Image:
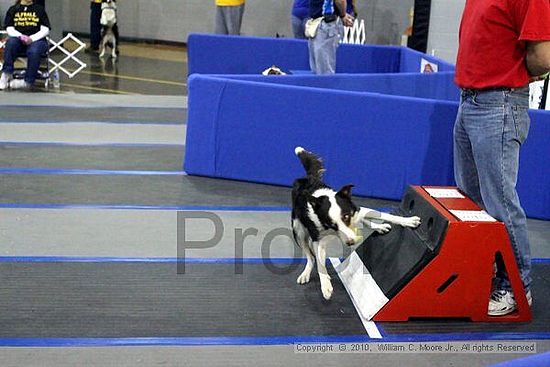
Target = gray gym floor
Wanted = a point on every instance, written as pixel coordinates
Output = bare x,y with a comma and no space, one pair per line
101,175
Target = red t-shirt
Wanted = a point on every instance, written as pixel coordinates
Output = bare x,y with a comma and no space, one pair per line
492,45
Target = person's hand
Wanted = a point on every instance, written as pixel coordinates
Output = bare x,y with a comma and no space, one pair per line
348,20
25,39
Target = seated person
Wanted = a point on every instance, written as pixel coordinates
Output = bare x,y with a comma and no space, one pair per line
27,25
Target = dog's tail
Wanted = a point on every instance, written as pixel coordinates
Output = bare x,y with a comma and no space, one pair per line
311,162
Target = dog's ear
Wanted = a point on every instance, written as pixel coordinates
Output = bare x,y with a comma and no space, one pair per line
317,202
345,191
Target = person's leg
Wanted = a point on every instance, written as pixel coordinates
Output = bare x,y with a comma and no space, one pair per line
298,26
312,47
220,26
34,55
465,170
497,128
12,48
95,25
324,45
234,19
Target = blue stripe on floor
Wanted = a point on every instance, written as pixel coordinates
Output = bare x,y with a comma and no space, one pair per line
190,260
97,172
170,260
108,145
77,106
148,123
275,340
148,207
188,341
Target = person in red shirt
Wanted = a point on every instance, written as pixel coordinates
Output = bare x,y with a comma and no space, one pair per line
503,45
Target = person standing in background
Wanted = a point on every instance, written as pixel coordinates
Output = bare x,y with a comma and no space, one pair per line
229,16
299,16
322,47
503,44
95,26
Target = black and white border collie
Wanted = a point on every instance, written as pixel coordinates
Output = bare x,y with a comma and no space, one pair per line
108,23
318,211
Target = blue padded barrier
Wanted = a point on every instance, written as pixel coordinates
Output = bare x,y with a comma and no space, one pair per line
382,131
411,60
431,86
246,128
534,173
217,54
248,131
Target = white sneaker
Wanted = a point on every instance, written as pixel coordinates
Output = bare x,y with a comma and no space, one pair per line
4,81
502,302
19,84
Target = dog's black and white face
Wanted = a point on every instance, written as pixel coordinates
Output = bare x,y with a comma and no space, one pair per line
334,211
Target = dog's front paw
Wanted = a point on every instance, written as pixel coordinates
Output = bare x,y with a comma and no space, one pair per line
411,222
381,228
304,277
326,288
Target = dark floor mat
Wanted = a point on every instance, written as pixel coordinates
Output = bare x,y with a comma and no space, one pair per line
125,300
539,324
34,156
44,114
144,190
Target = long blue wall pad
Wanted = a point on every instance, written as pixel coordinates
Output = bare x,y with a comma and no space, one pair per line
381,143
207,54
437,86
105,342
394,131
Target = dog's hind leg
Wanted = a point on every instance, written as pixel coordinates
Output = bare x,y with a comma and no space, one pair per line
113,53
326,285
102,49
302,239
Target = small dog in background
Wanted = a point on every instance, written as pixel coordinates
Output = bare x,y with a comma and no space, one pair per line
318,211
108,23
273,70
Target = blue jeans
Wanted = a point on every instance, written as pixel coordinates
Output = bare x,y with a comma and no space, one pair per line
229,19
14,48
322,48
490,128
298,27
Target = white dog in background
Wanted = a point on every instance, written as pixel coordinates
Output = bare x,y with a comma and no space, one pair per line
108,21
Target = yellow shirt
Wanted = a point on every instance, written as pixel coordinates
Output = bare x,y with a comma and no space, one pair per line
229,2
